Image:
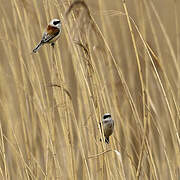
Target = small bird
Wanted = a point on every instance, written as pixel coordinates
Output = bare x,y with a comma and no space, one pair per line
108,126
50,35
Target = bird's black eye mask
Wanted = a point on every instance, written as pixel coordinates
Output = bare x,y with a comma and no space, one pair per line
56,22
106,116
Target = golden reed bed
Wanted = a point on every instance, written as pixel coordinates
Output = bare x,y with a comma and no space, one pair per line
121,57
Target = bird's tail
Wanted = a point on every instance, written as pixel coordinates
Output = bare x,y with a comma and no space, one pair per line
37,47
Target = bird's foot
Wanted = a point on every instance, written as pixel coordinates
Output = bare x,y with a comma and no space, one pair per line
52,44
107,140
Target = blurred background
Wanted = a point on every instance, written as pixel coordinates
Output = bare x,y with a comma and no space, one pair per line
121,58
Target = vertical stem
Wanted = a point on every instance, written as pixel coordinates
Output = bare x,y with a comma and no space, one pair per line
142,86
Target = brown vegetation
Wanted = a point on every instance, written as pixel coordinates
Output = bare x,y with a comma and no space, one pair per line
121,57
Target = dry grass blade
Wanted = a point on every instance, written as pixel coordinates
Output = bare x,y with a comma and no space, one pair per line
121,58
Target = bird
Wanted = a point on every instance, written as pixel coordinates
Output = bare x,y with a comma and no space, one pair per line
50,35
108,126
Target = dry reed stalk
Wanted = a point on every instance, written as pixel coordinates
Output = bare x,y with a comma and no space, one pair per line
142,90
48,129
83,42
166,79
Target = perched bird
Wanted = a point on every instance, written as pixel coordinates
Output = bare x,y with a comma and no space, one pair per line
51,34
108,126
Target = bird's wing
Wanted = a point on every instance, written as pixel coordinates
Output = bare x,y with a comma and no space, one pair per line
113,122
48,36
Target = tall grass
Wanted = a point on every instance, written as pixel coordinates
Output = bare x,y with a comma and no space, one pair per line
121,58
